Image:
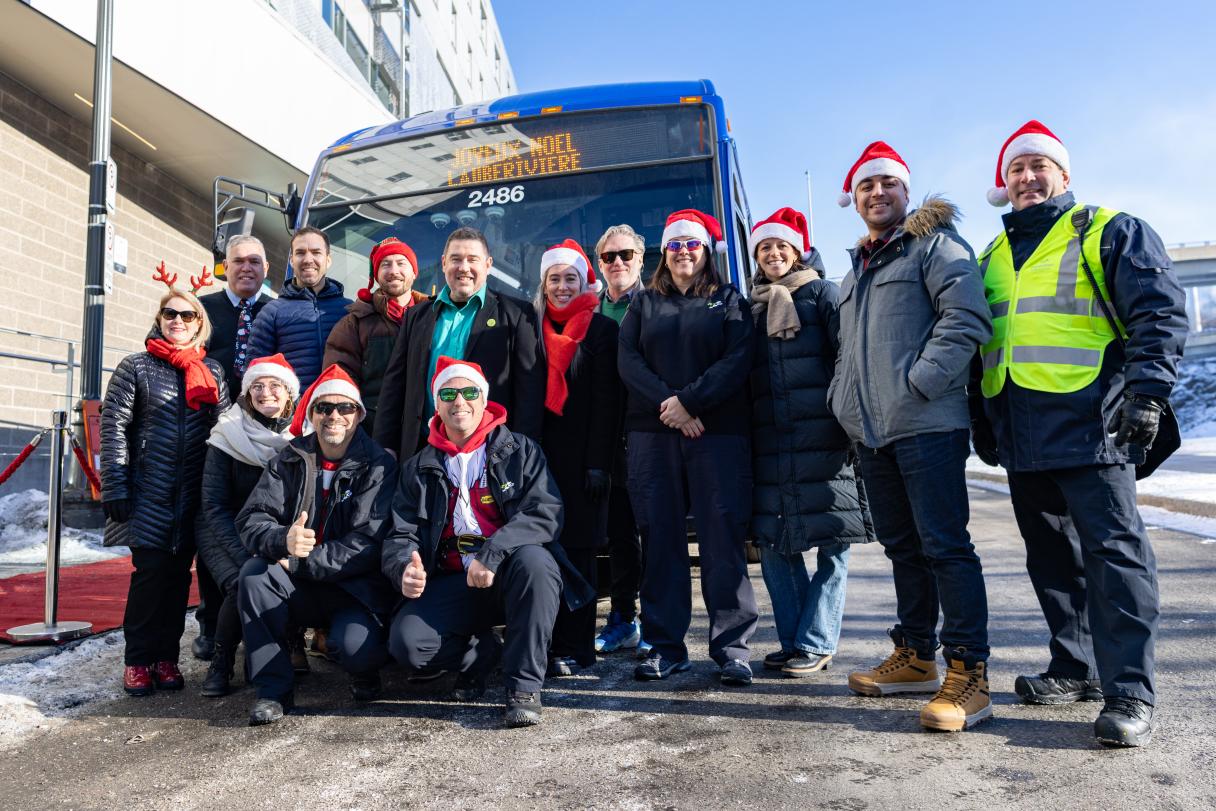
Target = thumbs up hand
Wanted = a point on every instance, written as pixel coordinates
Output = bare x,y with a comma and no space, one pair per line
413,580
300,539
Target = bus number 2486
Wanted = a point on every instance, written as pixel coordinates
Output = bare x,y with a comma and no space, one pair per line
498,196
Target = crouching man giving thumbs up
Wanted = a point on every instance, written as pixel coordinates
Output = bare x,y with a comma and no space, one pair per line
313,525
472,546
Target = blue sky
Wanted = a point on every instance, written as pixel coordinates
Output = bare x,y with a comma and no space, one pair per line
1130,88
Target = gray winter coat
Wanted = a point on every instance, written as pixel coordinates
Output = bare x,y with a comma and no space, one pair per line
909,324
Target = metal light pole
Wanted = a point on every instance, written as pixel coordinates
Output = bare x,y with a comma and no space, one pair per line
93,335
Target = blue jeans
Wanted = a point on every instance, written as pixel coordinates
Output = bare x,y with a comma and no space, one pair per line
807,609
918,499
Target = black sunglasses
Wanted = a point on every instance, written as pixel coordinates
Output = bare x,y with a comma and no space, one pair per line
187,316
345,409
608,257
469,393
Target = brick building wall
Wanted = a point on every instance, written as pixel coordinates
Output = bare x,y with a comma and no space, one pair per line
44,155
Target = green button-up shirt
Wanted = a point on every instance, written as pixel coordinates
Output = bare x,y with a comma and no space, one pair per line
453,325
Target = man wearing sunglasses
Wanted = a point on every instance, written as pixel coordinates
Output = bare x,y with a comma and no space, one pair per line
472,546
466,320
620,252
314,525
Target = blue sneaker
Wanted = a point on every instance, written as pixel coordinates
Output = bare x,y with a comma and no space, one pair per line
618,633
644,648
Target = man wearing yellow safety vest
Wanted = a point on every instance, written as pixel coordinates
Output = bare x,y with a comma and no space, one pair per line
1074,384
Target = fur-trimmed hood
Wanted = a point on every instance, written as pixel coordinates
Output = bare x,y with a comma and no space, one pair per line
935,212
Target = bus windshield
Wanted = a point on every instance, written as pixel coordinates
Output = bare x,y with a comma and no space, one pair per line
526,185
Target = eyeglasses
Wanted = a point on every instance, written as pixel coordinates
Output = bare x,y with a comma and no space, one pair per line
187,316
325,409
675,246
608,257
469,393
273,388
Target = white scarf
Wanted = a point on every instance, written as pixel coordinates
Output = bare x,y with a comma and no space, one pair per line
464,469
239,435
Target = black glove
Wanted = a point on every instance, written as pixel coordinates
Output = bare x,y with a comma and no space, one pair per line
598,483
118,510
1136,420
984,442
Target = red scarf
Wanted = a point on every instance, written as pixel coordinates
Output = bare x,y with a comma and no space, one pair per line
394,309
561,346
200,383
494,416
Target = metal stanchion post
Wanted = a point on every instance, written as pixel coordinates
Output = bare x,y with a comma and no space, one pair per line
51,630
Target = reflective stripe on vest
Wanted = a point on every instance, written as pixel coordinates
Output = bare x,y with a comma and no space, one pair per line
1048,332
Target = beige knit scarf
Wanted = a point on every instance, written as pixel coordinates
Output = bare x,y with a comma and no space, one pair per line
778,297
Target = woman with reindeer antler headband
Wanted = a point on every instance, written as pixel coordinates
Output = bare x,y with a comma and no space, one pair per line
159,408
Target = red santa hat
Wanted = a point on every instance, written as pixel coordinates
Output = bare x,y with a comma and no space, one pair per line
787,224
876,159
390,247
1032,138
569,252
275,366
450,368
334,380
696,224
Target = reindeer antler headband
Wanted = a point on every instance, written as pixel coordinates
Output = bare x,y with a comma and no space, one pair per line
197,283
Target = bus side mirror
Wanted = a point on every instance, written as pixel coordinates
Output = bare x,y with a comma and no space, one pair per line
237,221
291,205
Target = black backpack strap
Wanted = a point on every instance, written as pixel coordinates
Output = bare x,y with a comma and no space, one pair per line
1082,218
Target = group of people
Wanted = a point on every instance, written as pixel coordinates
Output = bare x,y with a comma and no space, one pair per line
430,479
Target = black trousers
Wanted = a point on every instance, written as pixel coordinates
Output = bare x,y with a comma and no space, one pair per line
450,627
1093,569
228,622
155,616
270,599
667,474
210,597
624,553
574,631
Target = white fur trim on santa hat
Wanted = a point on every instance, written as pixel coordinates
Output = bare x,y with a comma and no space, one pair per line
460,370
1034,143
686,228
275,370
562,256
776,230
341,387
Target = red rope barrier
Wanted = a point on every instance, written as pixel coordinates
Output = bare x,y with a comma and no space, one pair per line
83,461
21,457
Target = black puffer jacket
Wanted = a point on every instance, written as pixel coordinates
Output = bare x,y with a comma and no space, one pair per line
227,483
151,446
355,518
805,493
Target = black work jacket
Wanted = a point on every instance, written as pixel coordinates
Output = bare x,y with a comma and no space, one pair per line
524,492
355,518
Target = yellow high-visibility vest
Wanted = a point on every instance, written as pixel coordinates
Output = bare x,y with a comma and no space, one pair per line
1048,331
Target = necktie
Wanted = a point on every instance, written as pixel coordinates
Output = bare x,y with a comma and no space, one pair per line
244,323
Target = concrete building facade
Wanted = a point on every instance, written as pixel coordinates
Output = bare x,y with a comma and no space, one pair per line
251,89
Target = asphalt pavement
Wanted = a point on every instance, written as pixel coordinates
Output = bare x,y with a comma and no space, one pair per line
610,742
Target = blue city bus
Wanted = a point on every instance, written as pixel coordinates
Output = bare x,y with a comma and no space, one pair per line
528,171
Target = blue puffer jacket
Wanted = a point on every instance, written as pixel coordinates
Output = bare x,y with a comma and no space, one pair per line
297,324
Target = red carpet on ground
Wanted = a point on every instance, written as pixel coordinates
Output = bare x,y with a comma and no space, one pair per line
89,592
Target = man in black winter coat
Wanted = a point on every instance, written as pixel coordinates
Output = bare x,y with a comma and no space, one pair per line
231,312
472,546
314,524
467,321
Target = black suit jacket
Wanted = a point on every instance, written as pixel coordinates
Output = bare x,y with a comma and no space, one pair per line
222,344
503,341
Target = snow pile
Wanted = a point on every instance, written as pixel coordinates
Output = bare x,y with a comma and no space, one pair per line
34,694
23,518
1194,398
